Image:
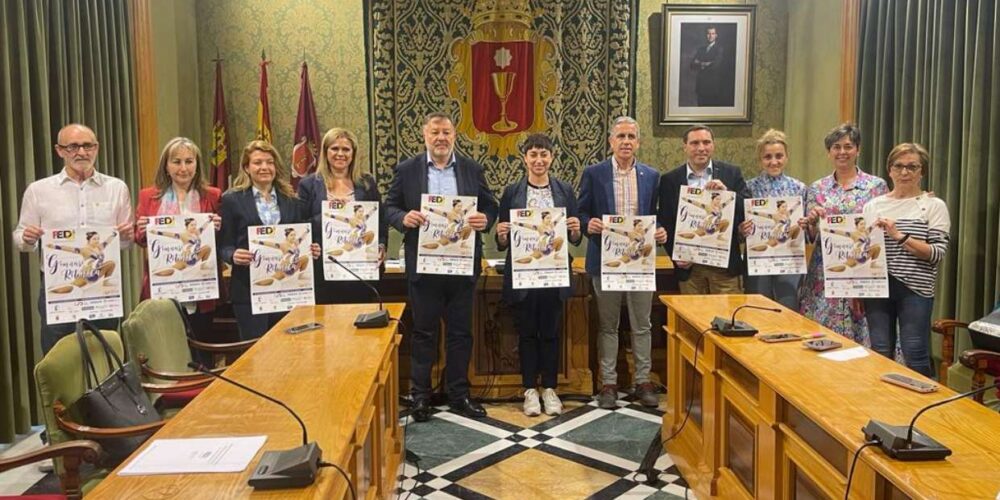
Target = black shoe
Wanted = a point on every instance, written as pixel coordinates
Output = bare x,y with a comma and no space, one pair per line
468,408
421,410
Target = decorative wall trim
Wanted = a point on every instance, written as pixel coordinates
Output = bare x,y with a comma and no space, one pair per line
140,27
849,60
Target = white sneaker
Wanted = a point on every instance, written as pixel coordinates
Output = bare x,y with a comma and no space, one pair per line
552,404
531,406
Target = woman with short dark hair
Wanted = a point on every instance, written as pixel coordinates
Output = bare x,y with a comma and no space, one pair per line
845,191
538,311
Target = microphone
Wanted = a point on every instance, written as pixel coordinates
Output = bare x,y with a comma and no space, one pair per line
733,328
294,468
377,319
906,443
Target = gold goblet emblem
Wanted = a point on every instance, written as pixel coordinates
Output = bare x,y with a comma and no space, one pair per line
503,85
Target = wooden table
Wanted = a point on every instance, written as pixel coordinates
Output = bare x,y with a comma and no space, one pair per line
341,381
775,421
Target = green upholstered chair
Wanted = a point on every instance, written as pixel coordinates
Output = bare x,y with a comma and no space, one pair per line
157,341
72,454
973,368
60,383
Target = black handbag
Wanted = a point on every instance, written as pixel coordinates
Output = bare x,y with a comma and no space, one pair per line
117,401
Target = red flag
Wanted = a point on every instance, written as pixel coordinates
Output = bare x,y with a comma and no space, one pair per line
219,159
306,140
263,109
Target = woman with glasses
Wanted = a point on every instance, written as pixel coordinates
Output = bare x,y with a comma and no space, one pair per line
917,228
844,192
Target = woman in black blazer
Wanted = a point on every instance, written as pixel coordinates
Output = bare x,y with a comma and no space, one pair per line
260,195
338,178
537,312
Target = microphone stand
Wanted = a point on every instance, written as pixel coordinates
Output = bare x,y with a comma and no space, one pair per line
377,319
733,328
294,468
906,443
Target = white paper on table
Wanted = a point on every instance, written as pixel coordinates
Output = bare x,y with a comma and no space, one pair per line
199,455
846,354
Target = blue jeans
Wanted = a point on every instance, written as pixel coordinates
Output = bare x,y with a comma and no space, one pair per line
781,288
912,314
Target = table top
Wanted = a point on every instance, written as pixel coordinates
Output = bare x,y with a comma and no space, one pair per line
842,396
324,375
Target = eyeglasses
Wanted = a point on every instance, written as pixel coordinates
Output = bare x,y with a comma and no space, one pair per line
73,148
909,167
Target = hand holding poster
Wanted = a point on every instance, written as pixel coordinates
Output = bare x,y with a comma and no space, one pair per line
181,257
628,253
350,234
446,244
537,254
853,260
81,272
281,273
775,244
704,226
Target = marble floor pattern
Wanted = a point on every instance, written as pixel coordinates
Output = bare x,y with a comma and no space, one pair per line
586,452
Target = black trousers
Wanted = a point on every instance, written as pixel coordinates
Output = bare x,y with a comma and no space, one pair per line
538,320
432,299
254,326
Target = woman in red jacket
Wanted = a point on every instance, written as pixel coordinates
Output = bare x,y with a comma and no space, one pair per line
179,188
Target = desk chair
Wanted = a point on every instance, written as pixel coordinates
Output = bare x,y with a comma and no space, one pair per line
158,340
71,453
60,383
976,366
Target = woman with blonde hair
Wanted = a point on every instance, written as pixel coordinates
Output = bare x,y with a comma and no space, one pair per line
338,177
772,153
917,232
179,189
262,194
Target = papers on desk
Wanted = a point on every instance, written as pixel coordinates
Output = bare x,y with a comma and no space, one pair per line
846,354
191,456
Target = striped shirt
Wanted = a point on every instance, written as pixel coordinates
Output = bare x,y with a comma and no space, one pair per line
924,218
626,187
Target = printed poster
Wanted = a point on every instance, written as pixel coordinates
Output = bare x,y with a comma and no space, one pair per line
704,226
538,253
776,243
853,257
447,243
281,273
628,253
180,252
82,274
350,235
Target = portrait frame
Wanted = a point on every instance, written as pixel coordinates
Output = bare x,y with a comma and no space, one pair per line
706,64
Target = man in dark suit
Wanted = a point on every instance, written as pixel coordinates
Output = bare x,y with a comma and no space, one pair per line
701,171
432,298
707,65
619,185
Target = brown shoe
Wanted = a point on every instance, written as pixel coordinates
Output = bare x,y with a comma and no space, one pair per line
608,397
645,393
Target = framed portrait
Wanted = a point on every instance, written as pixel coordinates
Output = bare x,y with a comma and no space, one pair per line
706,64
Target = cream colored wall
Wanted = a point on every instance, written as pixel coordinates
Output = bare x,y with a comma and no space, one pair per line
812,97
175,50
661,145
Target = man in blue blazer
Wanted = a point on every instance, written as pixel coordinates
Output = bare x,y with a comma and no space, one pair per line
702,171
620,185
433,297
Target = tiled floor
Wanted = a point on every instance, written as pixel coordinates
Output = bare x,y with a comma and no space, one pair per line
17,481
585,453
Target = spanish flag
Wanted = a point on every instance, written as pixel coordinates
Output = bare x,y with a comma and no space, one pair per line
263,110
219,159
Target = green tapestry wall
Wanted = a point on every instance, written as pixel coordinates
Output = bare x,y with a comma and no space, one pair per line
411,59
328,34
661,145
